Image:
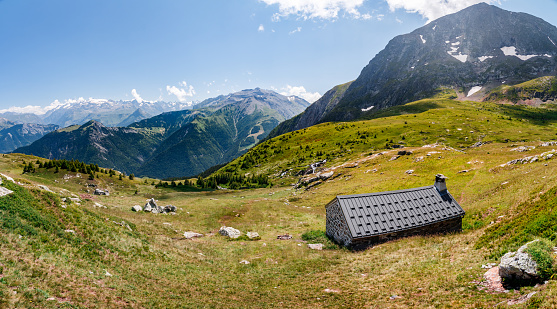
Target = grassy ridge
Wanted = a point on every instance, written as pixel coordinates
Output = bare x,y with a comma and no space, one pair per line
543,88
457,124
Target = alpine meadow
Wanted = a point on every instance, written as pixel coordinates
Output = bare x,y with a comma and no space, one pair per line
428,181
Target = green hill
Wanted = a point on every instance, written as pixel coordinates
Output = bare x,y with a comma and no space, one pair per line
536,91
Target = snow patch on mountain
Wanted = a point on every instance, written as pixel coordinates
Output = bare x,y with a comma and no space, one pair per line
474,90
423,40
484,58
551,41
511,51
367,109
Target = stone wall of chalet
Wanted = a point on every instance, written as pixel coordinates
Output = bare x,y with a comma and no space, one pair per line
336,225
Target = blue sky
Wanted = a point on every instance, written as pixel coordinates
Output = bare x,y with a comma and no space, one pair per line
190,50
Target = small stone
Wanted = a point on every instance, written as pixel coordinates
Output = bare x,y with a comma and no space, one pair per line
253,235
69,231
107,273
244,262
137,208
190,235
315,246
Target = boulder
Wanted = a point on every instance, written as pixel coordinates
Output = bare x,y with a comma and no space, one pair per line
253,235
150,205
315,246
101,192
229,232
137,208
519,265
190,235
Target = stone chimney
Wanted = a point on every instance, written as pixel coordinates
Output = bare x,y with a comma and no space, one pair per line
440,183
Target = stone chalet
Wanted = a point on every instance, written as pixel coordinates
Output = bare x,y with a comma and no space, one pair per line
358,221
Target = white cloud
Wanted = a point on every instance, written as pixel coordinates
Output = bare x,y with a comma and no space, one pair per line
433,9
136,96
299,29
181,93
319,9
261,28
301,92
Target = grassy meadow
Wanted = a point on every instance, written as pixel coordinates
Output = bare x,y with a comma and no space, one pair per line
101,263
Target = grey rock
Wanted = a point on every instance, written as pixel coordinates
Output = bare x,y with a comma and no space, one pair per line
101,192
229,232
519,265
137,208
150,205
169,208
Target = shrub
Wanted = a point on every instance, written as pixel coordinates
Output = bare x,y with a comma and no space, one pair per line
541,252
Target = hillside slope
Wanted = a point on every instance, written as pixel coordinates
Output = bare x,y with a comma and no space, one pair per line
13,135
124,149
234,127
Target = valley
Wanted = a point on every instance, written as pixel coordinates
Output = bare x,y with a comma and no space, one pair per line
221,203
105,262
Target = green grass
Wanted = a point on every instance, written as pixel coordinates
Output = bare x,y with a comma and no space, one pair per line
437,271
452,123
542,252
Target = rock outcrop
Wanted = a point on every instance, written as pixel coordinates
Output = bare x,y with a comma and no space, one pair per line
519,265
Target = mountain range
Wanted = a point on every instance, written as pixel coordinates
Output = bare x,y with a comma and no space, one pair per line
109,112
180,143
471,51
14,135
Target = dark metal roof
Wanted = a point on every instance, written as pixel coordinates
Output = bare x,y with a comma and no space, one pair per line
387,212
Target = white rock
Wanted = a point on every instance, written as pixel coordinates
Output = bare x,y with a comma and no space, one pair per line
137,208
244,262
229,232
190,235
326,175
253,235
315,246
